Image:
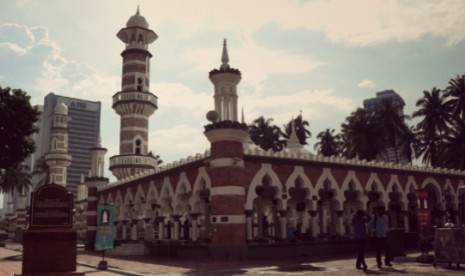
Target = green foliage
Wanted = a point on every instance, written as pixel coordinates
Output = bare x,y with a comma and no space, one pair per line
16,177
440,135
329,144
17,118
266,135
301,129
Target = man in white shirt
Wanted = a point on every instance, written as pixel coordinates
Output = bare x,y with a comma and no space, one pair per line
380,227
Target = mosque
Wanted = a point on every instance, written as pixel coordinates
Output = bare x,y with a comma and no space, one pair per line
236,201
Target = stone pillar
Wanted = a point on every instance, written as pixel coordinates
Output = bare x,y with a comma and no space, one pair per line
176,227
194,225
406,222
323,221
248,218
283,224
340,222
161,228
125,233
313,223
134,230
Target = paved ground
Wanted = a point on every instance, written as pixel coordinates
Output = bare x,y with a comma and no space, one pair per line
10,263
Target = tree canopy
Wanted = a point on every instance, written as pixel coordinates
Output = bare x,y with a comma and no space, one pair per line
17,118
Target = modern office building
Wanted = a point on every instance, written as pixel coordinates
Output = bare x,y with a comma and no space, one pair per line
83,131
393,155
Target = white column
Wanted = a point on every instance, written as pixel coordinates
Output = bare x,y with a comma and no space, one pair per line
323,221
161,230
406,222
125,233
176,229
340,220
134,232
148,234
194,229
314,224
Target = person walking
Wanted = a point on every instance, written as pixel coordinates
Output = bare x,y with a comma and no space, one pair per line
359,224
380,227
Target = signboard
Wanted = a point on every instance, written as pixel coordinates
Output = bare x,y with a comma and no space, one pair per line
51,207
425,227
105,222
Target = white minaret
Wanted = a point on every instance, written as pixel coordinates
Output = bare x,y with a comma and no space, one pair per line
57,158
134,103
98,159
225,81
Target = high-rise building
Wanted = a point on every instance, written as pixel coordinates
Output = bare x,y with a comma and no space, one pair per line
393,155
83,133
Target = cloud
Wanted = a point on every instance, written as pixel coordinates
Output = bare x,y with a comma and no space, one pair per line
362,23
314,104
178,141
43,68
366,83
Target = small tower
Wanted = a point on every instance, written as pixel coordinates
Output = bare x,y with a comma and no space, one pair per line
134,103
95,180
57,158
225,80
226,136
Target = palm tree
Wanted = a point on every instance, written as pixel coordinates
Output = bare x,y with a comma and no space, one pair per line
362,136
430,130
456,94
329,144
15,178
266,135
301,129
451,153
41,170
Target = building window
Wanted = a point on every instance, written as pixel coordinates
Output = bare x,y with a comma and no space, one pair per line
139,84
137,144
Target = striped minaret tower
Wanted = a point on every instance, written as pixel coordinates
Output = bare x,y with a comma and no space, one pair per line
226,135
96,179
57,158
134,103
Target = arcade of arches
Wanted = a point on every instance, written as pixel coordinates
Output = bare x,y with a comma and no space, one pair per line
318,202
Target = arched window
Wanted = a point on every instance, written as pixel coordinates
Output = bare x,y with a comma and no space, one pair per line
137,146
139,84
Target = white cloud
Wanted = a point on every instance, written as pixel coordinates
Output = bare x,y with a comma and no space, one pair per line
314,104
176,142
366,83
366,22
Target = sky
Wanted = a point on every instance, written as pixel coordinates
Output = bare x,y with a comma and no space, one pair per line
321,58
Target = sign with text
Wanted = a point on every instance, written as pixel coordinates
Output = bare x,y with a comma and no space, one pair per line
425,227
105,222
51,207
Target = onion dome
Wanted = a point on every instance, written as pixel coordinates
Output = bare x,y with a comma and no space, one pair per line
137,20
61,108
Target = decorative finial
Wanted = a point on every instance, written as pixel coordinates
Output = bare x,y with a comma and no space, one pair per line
224,56
137,13
99,140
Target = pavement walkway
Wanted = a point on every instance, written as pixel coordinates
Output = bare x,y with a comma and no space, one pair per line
10,264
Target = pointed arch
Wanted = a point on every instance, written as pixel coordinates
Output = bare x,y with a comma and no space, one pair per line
299,173
351,177
374,180
327,175
266,169
202,179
